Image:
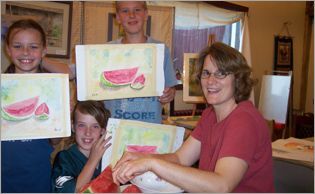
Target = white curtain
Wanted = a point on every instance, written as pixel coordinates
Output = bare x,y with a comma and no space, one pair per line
200,15
245,48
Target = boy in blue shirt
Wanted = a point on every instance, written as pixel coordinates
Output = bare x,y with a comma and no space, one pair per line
132,15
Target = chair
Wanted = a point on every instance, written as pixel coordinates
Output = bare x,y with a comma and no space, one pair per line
304,126
292,178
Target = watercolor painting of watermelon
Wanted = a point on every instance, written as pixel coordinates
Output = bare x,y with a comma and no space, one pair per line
138,136
113,71
34,106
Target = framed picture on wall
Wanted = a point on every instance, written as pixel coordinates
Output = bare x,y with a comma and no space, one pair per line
54,17
192,91
283,53
115,30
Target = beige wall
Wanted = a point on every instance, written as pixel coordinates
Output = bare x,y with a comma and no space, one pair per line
265,21
76,34
96,23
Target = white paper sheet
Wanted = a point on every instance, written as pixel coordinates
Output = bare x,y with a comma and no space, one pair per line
274,97
293,148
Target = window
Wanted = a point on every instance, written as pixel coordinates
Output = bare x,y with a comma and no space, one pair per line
194,40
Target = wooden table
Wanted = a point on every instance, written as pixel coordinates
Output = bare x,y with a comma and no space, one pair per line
298,162
188,122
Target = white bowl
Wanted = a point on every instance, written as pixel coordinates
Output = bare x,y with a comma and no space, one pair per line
150,183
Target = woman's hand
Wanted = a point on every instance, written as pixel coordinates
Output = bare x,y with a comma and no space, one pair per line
168,95
130,165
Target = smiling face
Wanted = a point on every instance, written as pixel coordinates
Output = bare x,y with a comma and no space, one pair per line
218,92
26,50
87,131
132,15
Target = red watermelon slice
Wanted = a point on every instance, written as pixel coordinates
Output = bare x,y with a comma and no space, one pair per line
138,83
20,110
42,112
118,77
132,189
142,149
102,184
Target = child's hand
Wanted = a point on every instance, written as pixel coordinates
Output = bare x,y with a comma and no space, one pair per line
99,148
168,95
96,153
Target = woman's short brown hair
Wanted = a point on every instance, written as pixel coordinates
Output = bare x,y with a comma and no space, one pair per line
228,59
94,108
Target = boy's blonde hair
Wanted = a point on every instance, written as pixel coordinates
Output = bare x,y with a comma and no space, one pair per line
117,5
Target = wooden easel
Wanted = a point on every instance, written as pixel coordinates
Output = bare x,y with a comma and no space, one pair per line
272,106
194,109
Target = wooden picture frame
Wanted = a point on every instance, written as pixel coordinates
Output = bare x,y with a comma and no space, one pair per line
115,30
283,53
54,17
180,108
192,92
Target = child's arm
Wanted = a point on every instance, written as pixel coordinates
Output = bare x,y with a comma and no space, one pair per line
54,66
96,154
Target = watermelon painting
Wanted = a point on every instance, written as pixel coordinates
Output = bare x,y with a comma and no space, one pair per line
19,111
138,83
102,184
35,106
119,71
119,77
42,112
142,149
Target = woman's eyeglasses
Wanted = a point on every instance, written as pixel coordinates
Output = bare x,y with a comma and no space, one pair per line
205,74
